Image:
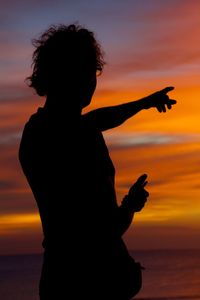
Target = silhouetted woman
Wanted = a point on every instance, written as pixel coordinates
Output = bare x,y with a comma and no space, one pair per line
67,165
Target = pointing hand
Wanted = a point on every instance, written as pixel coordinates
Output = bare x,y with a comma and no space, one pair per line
160,100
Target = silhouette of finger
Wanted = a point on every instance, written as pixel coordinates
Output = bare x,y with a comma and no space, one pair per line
169,106
159,109
167,89
145,183
142,179
163,108
172,102
146,194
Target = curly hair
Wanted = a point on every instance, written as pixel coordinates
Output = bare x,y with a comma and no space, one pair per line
63,52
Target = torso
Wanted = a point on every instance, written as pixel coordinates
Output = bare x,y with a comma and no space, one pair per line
72,177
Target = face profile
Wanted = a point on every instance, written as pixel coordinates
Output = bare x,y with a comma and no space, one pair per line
87,90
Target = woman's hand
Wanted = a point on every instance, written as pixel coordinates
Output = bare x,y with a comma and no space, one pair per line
160,100
137,195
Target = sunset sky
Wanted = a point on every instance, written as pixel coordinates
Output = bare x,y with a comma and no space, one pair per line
148,44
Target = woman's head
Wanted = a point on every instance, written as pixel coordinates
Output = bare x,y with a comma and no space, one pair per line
66,57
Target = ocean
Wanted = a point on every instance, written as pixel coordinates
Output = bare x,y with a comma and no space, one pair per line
168,275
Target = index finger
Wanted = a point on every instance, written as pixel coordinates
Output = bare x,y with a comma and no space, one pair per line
141,180
167,89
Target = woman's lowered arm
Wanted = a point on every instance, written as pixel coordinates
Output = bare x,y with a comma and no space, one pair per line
133,202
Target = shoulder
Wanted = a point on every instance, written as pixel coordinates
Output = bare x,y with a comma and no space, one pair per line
32,127
35,121
36,118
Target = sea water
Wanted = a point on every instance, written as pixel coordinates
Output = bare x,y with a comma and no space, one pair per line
168,275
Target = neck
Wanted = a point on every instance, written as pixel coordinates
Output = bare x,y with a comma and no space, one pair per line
61,104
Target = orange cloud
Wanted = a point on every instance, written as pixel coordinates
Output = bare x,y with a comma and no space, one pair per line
174,180
14,222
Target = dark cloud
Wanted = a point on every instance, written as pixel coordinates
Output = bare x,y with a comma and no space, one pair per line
14,203
7,185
